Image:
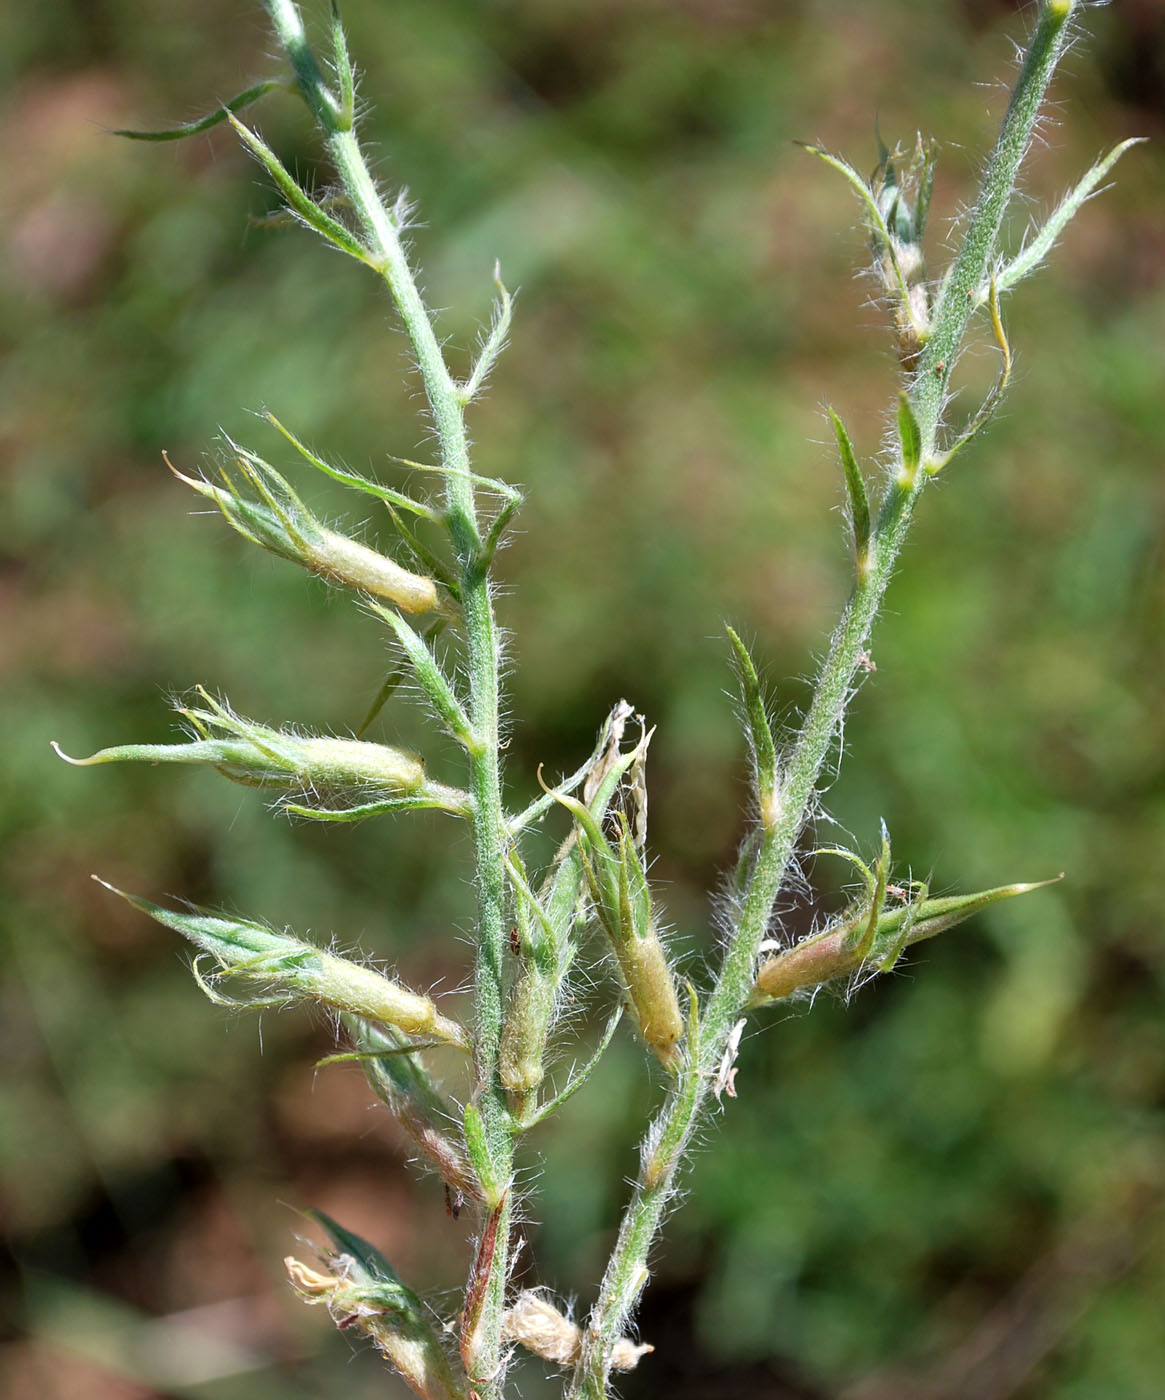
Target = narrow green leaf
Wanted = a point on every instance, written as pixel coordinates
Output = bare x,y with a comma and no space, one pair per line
843,167
432,678
760,734
910,436
344,75
878,227
986,410
493,344
212,119
859,501
392,680
1032,255
298,199
925,190
477,1148
425,557
353,479
498,526
432,798
487,483
929,917
579,1078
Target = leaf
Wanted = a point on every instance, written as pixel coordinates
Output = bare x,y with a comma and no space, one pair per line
212,119
760,734
298,199
477,1148
1029,258
342,63
934,916
859,501
882,235
366,1255
353,479
432,678
392,680
432,798
494,342
579,1078
986,410
925,190
910,436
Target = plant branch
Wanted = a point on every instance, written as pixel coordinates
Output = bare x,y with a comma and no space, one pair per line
786,810
382,234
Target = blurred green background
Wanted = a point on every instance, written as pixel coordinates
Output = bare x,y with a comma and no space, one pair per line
950,1189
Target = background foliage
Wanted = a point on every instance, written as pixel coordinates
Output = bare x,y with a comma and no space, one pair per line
950,1189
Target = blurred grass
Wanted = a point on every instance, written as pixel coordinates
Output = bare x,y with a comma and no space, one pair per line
962,1169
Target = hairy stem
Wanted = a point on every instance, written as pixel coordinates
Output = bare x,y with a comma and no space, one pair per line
787,814
447,404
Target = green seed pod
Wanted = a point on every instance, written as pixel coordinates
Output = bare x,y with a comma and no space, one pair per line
849,942
530,1009
296,970
652,993
259,756
275,518
618,884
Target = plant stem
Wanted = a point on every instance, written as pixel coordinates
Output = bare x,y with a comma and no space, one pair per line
627,1268
447,404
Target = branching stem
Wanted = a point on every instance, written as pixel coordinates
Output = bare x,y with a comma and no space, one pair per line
627,1269
446,402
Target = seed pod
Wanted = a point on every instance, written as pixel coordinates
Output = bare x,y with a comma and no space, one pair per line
259,756
847,943
622,896
296,970
528,1014
275,518
541,941
648,979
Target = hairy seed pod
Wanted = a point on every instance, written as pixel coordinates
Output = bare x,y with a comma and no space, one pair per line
260,504
652,994
347,562
524,1032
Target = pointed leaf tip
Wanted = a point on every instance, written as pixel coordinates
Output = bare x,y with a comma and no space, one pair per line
355,1246
212,119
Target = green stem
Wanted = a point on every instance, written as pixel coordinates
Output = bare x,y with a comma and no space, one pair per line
446,402
627,1269
976,258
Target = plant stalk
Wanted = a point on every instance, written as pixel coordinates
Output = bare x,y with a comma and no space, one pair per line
627,1270
447,404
